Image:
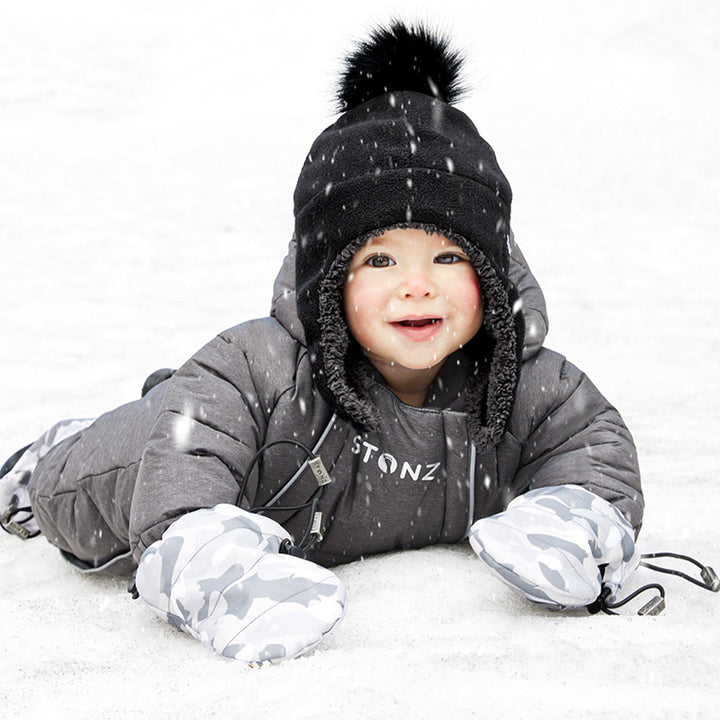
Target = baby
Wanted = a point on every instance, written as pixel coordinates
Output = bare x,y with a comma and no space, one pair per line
398,396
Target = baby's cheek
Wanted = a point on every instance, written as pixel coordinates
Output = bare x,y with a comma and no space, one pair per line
468,298
466,288
359,315
363,334
356,307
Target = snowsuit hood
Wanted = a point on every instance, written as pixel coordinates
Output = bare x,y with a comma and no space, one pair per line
335,353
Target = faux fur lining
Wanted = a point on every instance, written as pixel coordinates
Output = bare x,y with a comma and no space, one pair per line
343,369
340,359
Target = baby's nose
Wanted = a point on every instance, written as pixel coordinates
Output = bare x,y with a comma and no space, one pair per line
416,284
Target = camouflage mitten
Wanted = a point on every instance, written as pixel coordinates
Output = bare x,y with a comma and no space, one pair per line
558,545
217,575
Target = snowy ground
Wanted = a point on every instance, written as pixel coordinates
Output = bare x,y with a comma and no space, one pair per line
149,152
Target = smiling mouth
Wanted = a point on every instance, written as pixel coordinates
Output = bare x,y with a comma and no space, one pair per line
423,322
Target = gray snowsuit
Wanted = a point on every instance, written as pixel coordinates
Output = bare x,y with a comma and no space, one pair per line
416,479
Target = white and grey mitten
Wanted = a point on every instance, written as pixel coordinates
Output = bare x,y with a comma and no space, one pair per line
558,545
217,574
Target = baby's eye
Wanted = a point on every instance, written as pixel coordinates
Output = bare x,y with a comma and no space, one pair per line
449,258
379,261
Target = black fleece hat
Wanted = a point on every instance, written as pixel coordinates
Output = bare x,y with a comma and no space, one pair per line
402,156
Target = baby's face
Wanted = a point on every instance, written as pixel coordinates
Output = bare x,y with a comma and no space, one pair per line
411,299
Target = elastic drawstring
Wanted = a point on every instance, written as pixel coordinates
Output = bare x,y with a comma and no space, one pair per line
314,529
709,577
657,603
654,606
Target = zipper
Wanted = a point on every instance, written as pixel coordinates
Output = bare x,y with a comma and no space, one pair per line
471,490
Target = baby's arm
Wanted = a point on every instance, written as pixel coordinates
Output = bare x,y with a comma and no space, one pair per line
573,529
213,419
207,566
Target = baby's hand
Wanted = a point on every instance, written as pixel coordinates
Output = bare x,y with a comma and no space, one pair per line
550,544
217,575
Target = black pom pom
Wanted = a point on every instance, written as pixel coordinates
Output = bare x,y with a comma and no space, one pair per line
400,58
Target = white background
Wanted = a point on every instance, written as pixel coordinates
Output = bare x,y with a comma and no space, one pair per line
148,154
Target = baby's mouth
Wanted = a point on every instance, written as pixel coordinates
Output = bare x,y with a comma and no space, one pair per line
422,322
418,329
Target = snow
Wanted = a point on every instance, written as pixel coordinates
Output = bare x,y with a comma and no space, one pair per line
150,151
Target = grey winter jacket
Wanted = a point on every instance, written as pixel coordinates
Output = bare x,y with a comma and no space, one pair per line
416,480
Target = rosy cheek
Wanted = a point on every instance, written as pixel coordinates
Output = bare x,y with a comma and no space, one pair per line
467,290
477,296
469,298
475,283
